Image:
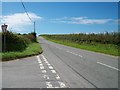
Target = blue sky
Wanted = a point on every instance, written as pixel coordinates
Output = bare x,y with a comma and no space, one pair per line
61,17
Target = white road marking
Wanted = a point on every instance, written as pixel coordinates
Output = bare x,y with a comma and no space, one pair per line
49,85
50,67
68,51
57,77
41,67
44,58
44,71
56,87
80,55
62,85
48,64
46,76
38,58
75,54
53,71
108,66
41,64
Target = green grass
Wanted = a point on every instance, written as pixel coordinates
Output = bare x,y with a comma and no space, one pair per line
101,48
32,49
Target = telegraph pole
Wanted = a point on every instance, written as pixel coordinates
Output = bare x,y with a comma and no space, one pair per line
34,26
34,31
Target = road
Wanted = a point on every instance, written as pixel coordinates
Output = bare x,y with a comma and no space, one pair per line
61,66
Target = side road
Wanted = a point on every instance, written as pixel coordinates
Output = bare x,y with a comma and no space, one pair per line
32,72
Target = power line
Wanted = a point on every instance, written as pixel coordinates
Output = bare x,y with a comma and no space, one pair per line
28,14
26,11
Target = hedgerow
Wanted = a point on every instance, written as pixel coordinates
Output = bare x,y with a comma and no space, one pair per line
103,38
16,42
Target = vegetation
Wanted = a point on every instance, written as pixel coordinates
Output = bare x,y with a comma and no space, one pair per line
13,42
103,38
31,36
17,42
32,49
19,45
107,43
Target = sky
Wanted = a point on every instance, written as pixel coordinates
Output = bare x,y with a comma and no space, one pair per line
61,17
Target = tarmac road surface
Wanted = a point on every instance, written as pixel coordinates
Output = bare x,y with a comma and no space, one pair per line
61,66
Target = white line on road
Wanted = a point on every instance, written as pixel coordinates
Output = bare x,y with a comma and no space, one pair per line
39,61
44,58
75,54
56,87
50,67
48,64
41,67
57,77
62,85
80,56
53,71
46,76
44,71
49,85
108,66
41,64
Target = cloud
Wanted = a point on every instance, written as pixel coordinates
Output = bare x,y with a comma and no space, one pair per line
19,20
117,20
81,20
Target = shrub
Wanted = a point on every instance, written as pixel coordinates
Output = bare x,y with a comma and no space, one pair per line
103,38
14,42
30,36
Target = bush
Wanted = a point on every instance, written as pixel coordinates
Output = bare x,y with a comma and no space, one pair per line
14,42
30,36
102,38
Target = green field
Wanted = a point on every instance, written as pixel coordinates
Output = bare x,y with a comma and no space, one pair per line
32,49
110,49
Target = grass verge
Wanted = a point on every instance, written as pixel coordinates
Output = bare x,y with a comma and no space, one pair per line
32,49
101,48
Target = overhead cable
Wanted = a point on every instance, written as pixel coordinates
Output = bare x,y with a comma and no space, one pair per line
26,11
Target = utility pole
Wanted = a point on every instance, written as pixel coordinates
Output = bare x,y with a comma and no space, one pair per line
34,26
34,31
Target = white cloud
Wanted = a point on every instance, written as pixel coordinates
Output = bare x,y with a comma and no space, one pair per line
81,20
19,20
78,18
91,21
117,20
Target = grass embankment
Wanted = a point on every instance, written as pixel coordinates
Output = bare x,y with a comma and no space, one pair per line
101,48
32,49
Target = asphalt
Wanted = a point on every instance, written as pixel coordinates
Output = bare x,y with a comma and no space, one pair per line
61,67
